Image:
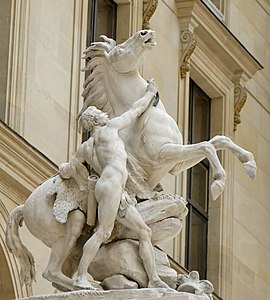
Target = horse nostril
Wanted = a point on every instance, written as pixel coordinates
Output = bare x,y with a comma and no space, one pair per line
143,33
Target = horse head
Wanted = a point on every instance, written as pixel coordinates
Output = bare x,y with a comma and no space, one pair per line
110,66
127,57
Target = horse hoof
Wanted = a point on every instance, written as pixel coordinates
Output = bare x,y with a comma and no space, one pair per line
250,168
217,187
61,288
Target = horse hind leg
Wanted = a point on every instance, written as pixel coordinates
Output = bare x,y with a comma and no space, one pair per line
62,249
183,153
244,156
71,264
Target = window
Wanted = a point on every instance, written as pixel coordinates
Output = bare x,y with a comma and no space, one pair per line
197,184
218,7
102,19
5,19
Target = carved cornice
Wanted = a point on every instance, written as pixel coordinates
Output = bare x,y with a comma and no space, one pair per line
216,40
240,98
148,13
188,45
20,163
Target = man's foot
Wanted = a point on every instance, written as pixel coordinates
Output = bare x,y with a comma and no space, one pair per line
82,283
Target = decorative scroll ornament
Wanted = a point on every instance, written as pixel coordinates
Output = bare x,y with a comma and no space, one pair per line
188,45
148,13
240,98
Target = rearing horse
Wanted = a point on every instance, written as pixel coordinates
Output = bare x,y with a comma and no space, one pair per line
155,141
154,146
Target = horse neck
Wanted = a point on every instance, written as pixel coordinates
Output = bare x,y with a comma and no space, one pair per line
124,89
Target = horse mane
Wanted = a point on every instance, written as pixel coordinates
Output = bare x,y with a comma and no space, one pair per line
94,91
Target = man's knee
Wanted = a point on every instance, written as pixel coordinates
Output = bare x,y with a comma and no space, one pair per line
146,234
104,233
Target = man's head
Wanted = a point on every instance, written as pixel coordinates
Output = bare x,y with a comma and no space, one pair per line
92,117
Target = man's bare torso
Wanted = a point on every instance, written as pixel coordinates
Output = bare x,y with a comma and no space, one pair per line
106,148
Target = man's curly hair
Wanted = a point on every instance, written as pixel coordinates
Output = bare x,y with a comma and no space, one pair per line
89,118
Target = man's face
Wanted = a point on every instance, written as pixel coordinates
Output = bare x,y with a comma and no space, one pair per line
102,119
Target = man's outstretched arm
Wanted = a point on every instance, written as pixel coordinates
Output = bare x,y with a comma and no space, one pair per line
137,108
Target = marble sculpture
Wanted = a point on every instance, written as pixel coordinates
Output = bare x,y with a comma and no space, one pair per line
133,144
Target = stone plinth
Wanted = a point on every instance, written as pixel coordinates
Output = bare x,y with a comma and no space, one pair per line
132,294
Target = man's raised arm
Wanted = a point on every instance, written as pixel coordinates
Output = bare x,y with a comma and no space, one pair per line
137,108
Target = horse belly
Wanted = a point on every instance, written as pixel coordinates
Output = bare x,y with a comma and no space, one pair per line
145,141
158,130
38,215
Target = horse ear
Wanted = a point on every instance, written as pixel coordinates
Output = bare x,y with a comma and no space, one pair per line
80,126
111,42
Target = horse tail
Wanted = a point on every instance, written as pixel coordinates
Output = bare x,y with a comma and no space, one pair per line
15,246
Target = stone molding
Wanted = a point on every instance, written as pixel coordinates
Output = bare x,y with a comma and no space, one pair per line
188,42
17,65
265,5
216,41
13,264
219,62
132,294
21,162
240,97
214,36
148,13
22,168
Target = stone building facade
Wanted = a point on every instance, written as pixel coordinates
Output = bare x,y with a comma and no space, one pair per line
212,66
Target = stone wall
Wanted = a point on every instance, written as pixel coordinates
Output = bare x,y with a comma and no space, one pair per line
249,21
45,98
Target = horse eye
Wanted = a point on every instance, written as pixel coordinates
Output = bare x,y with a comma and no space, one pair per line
120,50
143,33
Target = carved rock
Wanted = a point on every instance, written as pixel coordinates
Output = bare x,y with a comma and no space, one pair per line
122,257
163,216
118,282
121,295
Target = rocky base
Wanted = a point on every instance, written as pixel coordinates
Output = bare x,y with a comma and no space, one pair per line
131,294
122,258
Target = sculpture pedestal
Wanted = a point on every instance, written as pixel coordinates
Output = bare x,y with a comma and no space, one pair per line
145,294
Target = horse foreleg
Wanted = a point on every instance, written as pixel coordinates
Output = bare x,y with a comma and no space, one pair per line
222,143
182,153
244,156
62,249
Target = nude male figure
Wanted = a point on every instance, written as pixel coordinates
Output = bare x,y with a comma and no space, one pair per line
105,151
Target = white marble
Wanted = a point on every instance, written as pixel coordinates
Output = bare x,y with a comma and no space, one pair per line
133,144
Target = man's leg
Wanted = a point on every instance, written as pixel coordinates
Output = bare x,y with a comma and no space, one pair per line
134,221
108,196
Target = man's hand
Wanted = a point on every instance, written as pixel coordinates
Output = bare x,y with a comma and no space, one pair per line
152,87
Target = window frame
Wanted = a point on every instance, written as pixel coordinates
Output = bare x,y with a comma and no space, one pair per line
92,19
193,206
221,15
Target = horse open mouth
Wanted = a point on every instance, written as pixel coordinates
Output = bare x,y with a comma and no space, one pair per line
150,41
